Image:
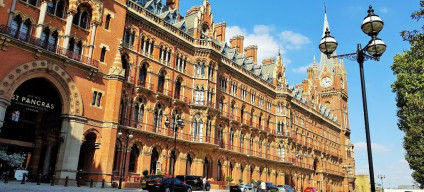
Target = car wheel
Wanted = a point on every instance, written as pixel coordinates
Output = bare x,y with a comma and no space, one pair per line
244,190
167,190
188,190
208,188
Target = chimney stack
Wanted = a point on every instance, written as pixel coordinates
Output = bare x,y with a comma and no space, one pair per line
174,4
251,51
237,42
220,31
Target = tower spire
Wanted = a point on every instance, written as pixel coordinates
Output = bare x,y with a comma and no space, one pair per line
324,60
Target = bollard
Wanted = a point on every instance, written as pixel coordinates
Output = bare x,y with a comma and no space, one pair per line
39,179
52,183
79,181
103,183
66,181
6,180
91,183
23,179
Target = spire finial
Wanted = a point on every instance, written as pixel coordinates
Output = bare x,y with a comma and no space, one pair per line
325,8
279,54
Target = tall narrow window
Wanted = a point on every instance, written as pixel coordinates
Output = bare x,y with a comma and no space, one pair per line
97,97
161,82
107,22
218,175
135,152
103,54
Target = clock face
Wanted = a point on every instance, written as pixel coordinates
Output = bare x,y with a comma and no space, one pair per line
326,82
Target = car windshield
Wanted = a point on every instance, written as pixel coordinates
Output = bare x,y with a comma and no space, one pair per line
168,180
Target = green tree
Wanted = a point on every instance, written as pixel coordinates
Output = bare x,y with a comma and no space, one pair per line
409,88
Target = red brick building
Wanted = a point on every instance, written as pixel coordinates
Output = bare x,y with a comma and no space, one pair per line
75,73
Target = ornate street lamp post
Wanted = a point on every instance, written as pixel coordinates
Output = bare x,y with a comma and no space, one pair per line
381,177
180,124
298,155
371,26
127,138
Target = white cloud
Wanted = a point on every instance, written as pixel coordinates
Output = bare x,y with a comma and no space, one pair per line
384,10
268,40
362,146
293,41
302,69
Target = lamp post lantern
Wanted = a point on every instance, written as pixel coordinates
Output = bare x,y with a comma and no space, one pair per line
371,26
127,138
179,124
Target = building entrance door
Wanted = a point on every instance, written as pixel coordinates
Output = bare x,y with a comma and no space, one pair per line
32,125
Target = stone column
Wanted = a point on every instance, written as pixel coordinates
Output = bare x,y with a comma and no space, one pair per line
47,159
43,12
69,150
93,36
11,13
3,106
68,27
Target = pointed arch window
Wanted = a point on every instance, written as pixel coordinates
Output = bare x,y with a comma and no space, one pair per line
208,129
251,117
206,166
57,8
44,37
199,96
221,105
219,171
157,119
242,142
161,82
83,17
138,112
126,66
142,75
232,110
242,114
135,152
220,133
251,144
188,164
231,139
178,89
16,23
197,128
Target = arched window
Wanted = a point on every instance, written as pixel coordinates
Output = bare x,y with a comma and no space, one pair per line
135,152
24,30
161,82
138,113
197,128
220,133
142,75
125,66
57,8
103,54
251,116
83,17
208,129
251,145
206,166
231,169
231,138
219,172
16,24
242,114
177,89
52,42
188,164
242,142
221,105
157,119
107,22
44,37
232,109
116,156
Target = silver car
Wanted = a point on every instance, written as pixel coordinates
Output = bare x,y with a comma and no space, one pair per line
246,187
285,188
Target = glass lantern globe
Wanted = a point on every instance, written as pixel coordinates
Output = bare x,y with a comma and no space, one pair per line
372,23
328,44
376,47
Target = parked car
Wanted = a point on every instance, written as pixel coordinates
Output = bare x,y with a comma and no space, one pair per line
285,188
270,187
194,181
242,187
165,186
148,181
310,189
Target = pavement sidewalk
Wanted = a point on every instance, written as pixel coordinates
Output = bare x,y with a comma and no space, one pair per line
16,186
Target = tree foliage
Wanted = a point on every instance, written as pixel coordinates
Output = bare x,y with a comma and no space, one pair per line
409,88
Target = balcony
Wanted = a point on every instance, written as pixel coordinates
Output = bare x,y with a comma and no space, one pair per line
51,48
144,87
164,93
179,99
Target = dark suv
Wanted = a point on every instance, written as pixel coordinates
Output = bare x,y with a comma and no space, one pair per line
194,181
148,181
271,187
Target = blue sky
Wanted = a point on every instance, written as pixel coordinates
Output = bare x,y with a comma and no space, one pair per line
296,27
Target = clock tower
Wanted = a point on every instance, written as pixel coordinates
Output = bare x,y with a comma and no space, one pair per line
326,87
